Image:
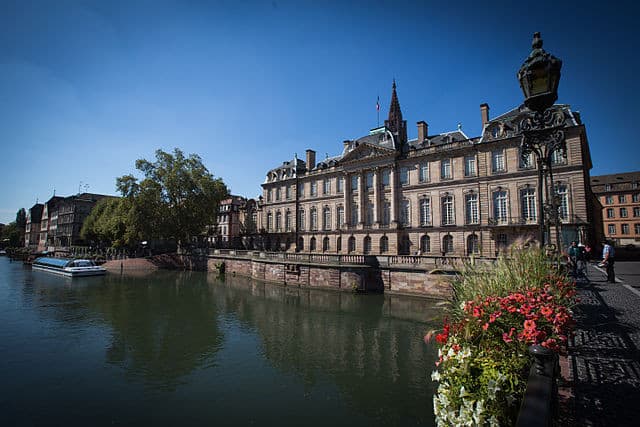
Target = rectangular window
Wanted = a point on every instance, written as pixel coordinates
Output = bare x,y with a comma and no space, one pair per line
622,198
528,200
526,162
558,157
500,211
448,214
636,211
625,229
326,186
610,213
424,172
470,166
623,212
404,175
386,177
288,190
340,217
269,195
609,200
340,184
425,212
405,213
354,214
636,228
386,213
314,188
445,169
369,216
354,183
611,228
369,181
634,185
497,161
301,190
301,222
607,187
563,194
278,193
635,198
471,209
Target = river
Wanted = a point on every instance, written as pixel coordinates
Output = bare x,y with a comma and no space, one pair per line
189,348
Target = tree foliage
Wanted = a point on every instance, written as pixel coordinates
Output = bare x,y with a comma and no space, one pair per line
11,236
21,218
177,198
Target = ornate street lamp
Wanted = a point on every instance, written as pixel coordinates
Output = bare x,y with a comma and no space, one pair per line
539,77
543,128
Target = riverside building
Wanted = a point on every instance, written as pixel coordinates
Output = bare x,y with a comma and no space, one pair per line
619,197
437,194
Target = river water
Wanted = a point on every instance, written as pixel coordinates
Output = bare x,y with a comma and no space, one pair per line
188,348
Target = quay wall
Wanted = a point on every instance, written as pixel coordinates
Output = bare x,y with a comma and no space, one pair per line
398,279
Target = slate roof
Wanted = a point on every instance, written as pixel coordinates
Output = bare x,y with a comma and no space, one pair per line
618,181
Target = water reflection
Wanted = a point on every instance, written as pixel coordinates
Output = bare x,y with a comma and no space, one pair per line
221,345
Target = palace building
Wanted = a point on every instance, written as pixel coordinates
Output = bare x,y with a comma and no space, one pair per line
437,194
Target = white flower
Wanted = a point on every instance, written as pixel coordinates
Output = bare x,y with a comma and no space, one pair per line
435,376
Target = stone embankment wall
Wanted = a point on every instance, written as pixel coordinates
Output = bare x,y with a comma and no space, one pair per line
405,280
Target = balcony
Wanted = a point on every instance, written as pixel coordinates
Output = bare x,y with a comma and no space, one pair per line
512,221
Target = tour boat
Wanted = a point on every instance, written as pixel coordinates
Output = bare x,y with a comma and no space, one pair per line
68,267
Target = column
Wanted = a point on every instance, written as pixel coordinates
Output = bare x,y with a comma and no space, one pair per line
346,197
376,198
394,197
362,178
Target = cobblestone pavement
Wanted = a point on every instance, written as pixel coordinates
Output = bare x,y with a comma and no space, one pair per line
605,351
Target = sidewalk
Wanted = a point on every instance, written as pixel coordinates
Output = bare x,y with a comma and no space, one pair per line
604,354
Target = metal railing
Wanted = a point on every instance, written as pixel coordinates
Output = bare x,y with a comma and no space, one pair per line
539,405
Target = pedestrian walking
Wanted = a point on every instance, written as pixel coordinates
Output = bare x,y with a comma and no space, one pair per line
608,260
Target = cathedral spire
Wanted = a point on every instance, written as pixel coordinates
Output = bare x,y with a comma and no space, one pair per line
395,123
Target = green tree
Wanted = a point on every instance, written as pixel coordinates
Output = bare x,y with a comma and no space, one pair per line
11,236
21,218
177,198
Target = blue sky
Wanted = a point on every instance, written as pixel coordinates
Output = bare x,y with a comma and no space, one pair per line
88,87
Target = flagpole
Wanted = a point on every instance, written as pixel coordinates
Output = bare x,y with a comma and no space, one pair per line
378,110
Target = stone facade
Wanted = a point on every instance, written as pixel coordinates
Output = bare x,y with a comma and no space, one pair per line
437,194
32,227
619,206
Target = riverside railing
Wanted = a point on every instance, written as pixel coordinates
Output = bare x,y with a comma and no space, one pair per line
539,404
417,261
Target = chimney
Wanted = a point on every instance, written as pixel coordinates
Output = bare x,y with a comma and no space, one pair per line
484,114
311,159
423,131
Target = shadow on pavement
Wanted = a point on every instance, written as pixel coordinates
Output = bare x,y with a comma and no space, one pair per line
605,360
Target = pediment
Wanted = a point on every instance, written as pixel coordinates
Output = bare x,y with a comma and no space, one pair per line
366,152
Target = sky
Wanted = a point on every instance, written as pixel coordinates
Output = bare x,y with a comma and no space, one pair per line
88,87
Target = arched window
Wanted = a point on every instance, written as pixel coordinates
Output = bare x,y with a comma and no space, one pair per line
312,244
300,243
425,244
351,244
447,244
384,244
339,244
366,245
472,244
405,245
325,244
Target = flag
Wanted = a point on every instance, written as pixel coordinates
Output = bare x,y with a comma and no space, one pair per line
378,104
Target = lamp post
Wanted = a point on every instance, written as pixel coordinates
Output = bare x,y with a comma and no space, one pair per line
542,129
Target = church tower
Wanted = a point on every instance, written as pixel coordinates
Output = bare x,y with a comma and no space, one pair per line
394,123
